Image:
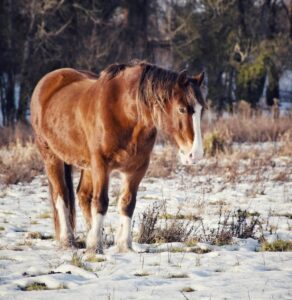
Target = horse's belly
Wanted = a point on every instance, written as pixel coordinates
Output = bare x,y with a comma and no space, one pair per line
61,129
69,145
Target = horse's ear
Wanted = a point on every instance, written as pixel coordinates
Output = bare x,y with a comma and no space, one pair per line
199,78
182,78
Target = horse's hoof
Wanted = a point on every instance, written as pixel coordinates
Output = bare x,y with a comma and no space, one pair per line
68,243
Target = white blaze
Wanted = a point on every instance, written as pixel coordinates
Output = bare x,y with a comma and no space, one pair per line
197,148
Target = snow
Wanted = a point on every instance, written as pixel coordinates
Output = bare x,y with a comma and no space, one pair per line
236,271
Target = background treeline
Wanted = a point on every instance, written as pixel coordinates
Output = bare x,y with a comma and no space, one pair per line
241,44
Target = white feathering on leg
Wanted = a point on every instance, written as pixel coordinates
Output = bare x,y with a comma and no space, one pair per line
94,237
66,233
124,238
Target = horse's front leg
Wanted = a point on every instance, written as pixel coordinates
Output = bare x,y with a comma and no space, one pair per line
127,203
99,205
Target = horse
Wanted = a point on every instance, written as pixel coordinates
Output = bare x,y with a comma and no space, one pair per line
100,123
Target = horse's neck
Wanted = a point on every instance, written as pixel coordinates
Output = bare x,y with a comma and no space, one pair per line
137,112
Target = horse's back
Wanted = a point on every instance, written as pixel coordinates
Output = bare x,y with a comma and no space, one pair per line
50,85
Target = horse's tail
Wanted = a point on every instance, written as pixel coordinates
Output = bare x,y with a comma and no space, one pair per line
69,184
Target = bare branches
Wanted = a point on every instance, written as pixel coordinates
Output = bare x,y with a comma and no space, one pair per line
44,34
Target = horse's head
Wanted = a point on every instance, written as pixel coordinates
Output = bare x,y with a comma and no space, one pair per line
184,113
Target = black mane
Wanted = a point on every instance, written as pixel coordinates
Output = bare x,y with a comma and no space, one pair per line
156,84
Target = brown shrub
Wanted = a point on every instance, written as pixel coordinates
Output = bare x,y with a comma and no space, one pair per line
20,160
214,143
148,223
19,134
167,231
19,163
254,129
240,224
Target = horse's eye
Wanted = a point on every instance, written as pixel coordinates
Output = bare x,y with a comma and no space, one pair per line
182,110
191,110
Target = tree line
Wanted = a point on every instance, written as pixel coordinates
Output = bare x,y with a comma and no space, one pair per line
241,44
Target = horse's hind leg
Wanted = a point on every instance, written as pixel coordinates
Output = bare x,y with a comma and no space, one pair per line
63,214
84,192
61,195
127,203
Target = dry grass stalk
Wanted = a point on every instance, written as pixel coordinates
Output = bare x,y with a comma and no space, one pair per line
255,129
19,163
20,160
162,162
239,224
166,231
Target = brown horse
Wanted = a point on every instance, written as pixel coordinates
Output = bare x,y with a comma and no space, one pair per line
109,122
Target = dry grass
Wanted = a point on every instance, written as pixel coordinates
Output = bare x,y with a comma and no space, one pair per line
141,274
77,261
95,259
40,286
164,231
177,276
179,216
11,135
255,129
44,215
277,246
35,286
148,224
239,224
20,160
214,143
226,158
19,163
162,162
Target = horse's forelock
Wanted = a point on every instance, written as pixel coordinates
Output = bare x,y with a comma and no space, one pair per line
195,91
156,85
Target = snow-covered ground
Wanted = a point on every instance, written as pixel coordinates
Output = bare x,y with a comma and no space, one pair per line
165,271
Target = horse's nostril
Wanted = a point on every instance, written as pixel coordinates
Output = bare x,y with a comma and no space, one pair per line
190,155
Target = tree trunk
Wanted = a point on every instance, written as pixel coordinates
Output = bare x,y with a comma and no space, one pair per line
272,92
3,101
23,75
10,85
23,95
137,35
10,99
